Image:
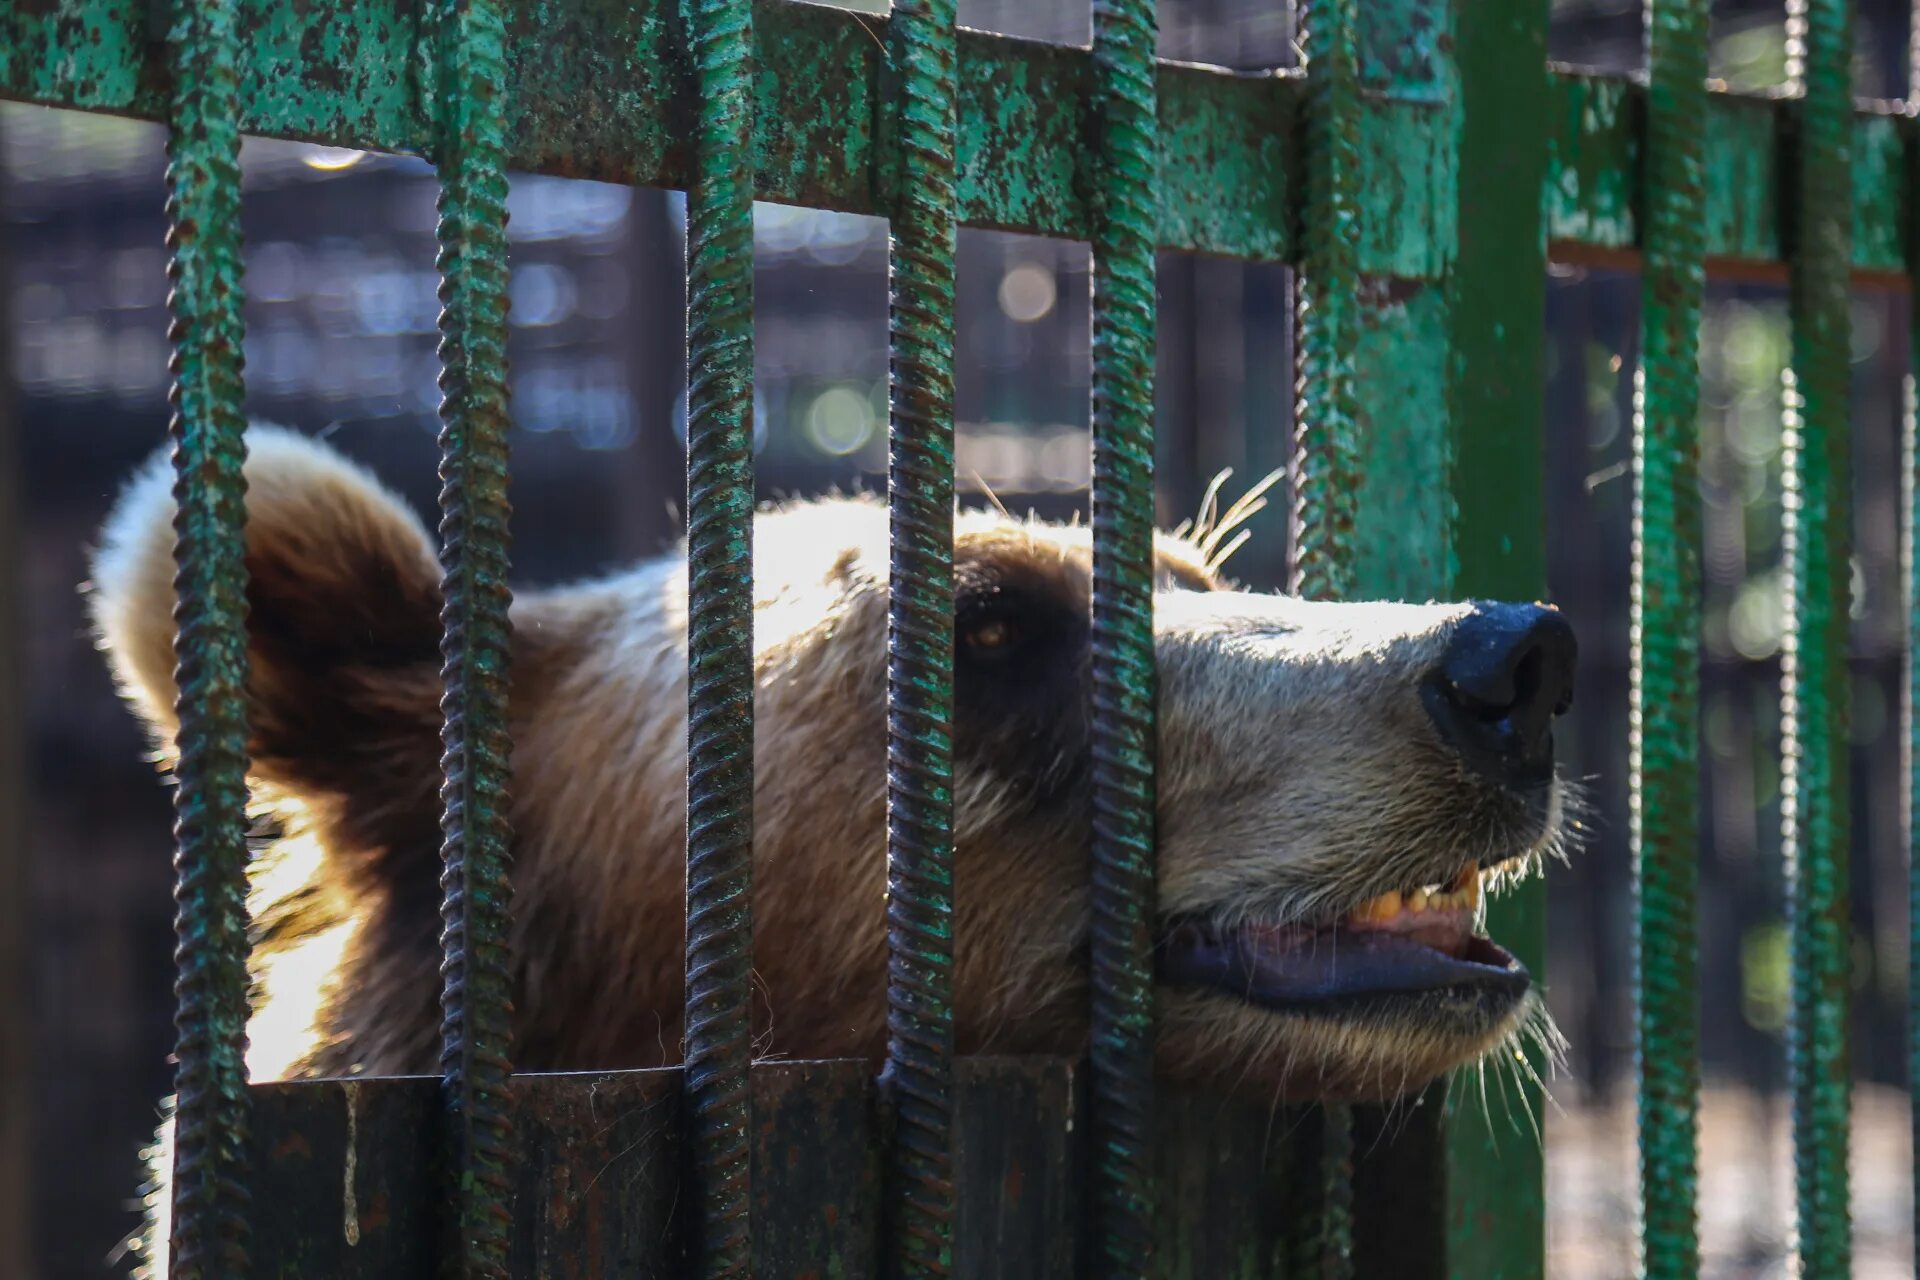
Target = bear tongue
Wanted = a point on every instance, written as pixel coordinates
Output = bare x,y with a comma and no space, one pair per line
1447,932
1289,965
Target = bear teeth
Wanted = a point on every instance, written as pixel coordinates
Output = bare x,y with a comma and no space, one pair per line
1462,894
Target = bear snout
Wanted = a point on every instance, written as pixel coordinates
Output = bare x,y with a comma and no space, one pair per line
1506,676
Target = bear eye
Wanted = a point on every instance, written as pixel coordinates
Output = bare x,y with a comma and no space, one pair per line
989,635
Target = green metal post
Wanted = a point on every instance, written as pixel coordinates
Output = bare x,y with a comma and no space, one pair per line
919,1071
719,994
1127,116
1666,635
1495,1175
476,1023
1326,458
210,1229
1815,693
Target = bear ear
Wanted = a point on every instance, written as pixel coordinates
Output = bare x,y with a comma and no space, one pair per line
343,602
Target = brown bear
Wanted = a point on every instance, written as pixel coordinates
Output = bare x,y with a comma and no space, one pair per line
1336,782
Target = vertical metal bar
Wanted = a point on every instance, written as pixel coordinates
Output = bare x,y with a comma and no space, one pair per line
1664,697
1496,287
1814,675
1121,1104
719,1010
475,1005
210,804
1326,456
919,1069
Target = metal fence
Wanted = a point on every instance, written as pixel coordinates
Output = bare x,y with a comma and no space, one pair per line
1418,171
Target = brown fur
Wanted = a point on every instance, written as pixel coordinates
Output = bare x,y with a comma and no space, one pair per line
1297,773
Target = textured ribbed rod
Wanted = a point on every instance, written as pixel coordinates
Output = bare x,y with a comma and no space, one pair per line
474,1001
1121,1100
210,804
1326,455
919,1070
1814,652
1666,636
719,1026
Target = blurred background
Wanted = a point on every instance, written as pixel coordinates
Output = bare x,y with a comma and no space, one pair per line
340,342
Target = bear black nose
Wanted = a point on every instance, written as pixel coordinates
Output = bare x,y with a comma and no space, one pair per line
1508,671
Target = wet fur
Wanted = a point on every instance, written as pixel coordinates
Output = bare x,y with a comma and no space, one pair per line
1298,773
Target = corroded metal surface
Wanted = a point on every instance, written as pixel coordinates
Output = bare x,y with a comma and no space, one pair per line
1326,461
918,1079
1121,929
210,1200
1596,200
596,89
476,1026
1326,456
1816,538
719,999
1666,602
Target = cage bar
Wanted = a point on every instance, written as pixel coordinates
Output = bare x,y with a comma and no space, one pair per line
210,1228
918,1076
1326,456
719,1022
1814,677
1121,1097
1665,635
1327,450
1494,1179
476,1014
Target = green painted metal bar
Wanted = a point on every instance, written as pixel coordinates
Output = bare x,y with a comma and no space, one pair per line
919,1069
1665,630
210,1229
1121,1094
1815,684
1326,457
1495,1174
476,1026
719,993
593,91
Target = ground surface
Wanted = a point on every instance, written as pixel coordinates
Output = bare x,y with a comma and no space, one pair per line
1746,1200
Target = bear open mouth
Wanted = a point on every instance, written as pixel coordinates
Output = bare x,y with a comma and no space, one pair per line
1401,943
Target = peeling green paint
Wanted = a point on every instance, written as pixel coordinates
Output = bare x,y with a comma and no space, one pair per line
602,88
1592,159
1403,548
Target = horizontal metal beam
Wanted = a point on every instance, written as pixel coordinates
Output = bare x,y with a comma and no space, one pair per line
603,89
1596,198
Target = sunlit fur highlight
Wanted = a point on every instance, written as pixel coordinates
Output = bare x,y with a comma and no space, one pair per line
1298,776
